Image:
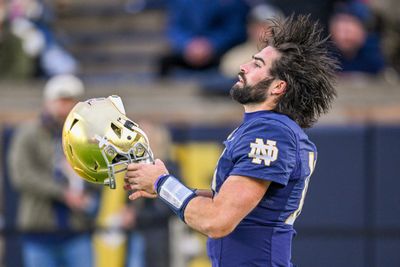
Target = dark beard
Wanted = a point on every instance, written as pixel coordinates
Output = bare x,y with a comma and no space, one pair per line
251,94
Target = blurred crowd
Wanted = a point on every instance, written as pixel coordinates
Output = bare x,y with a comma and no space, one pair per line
28,46
57,213
364,39
206,36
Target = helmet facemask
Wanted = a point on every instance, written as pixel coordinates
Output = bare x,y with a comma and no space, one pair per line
138,153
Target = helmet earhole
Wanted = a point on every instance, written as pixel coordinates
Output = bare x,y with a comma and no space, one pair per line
116,130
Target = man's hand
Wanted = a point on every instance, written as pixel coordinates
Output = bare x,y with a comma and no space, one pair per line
141,177
128,217
76,201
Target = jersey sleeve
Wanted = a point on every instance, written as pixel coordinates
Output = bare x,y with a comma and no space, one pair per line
267,151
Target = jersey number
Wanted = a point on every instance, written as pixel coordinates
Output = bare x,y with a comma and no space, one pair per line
311,164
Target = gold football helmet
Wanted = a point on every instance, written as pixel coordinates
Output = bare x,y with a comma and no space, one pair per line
99,140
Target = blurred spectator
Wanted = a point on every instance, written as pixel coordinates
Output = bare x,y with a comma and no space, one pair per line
388,14
148,219
357,49
2,200
319,10
257,23
14,63
31,21
200,31
55,207
148,244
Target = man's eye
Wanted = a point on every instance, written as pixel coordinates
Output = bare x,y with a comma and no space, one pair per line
257,65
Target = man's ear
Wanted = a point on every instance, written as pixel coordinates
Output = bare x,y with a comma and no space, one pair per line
278,87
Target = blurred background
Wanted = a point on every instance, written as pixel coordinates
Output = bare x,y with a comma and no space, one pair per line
173,62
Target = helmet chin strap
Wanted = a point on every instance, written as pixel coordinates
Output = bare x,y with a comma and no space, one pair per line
124,158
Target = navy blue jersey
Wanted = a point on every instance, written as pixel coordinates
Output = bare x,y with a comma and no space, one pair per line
272,147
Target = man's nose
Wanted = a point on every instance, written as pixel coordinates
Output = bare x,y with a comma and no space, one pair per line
243,68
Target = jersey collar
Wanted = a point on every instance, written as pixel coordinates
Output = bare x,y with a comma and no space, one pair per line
256,114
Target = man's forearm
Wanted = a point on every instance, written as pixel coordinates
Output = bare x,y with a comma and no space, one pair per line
204,193
204,215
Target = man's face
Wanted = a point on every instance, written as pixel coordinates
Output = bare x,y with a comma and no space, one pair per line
60,108
254,77
348,33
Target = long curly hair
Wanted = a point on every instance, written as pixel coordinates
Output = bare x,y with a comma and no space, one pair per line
306,66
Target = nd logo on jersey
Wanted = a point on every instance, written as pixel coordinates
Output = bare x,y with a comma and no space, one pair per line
263,152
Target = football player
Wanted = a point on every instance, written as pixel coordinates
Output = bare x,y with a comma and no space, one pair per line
262,176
